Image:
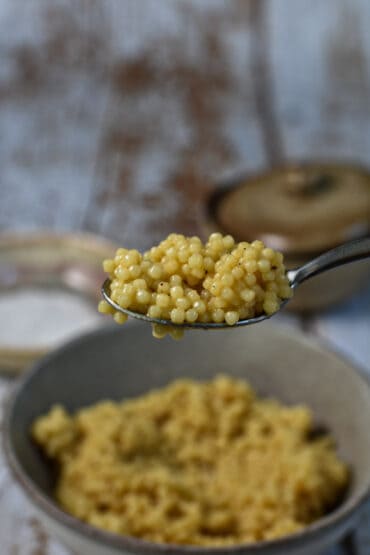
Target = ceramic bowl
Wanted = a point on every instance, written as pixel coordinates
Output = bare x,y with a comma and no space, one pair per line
116,363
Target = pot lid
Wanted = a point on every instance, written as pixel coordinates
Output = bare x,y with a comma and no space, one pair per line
297,208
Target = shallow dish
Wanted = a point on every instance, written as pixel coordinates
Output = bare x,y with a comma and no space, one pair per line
43,261
116,363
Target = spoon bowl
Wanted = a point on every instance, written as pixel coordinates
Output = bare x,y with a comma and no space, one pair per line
195,325
348,252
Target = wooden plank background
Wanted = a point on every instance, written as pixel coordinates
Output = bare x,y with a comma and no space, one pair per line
119,116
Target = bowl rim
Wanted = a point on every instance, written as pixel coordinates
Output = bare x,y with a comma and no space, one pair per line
82,240
326,524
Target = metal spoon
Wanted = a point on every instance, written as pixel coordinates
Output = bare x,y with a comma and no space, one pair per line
349,252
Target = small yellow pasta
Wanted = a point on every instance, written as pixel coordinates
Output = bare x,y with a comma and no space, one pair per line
197,463
183,280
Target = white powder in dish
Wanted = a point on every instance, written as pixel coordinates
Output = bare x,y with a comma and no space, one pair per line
33,318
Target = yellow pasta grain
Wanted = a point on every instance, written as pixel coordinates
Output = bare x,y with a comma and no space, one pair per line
220,279
193,463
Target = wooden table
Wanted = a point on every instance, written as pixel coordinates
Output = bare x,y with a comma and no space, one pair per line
118,117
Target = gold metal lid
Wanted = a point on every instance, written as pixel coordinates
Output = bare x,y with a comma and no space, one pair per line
301,208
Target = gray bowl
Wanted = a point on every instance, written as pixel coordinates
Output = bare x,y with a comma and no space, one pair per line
116,363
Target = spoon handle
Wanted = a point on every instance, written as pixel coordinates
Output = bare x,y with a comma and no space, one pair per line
348,252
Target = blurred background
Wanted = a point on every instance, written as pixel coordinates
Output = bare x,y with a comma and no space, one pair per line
117,117
121,117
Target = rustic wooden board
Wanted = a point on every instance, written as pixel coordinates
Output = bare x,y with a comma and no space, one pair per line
118,117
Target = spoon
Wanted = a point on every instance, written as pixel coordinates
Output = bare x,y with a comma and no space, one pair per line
348,252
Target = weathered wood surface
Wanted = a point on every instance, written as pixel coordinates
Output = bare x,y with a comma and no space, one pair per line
118,117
